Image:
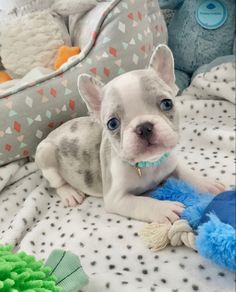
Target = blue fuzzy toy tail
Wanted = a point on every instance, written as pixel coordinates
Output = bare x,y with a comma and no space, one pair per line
178,190
217,242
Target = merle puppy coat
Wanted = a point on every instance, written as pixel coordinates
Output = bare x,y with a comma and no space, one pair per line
133,123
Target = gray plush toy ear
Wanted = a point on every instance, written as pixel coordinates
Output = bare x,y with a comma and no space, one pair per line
90,90
162,62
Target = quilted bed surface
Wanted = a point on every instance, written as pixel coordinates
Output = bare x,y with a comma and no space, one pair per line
111,252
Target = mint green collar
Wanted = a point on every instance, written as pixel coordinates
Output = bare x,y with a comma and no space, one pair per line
157,163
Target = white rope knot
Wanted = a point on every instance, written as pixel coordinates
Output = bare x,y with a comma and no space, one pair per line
158,236
181,233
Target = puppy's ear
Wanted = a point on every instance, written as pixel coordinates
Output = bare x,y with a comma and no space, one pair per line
162,62
90,90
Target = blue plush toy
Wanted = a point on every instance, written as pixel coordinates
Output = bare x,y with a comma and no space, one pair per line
211,217
199,32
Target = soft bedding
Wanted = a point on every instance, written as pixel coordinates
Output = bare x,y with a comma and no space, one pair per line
28,112
33,218
34,74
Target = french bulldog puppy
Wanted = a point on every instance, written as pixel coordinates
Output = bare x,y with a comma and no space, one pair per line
125,148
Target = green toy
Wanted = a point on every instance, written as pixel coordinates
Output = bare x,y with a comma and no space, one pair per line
20,272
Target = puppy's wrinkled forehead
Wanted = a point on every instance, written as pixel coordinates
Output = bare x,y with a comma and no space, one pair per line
135,93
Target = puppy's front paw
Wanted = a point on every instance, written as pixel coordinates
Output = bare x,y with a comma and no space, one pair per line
168,211
70,197
210,186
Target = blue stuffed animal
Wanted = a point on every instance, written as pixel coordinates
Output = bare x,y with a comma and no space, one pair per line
212,219
200,32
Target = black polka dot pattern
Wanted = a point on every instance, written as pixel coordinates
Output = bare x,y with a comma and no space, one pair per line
33,218
218,83
207,124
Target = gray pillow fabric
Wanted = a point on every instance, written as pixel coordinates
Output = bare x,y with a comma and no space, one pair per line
122,40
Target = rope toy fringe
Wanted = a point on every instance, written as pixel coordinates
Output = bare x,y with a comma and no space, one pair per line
158,236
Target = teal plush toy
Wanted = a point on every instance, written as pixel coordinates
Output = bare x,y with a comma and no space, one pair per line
200,32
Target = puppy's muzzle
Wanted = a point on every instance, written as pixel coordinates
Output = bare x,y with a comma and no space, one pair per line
144,131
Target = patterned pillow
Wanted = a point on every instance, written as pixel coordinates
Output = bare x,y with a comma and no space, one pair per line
123,39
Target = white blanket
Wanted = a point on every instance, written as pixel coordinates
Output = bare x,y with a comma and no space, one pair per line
114,257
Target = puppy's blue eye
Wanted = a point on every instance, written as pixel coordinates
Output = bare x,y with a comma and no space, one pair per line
166,105
113,124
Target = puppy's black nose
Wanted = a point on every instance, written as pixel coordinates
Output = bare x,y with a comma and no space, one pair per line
144,130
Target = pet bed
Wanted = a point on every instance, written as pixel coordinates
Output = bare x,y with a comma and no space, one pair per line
120,39
114,257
